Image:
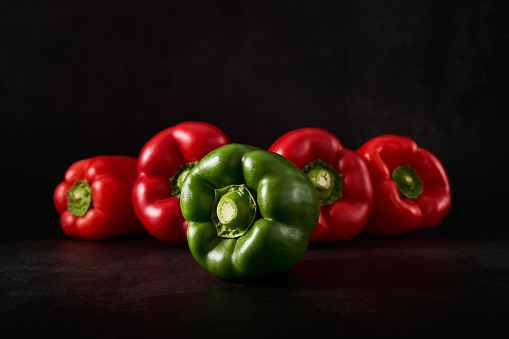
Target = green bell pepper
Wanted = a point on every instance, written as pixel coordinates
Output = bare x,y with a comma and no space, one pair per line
250,212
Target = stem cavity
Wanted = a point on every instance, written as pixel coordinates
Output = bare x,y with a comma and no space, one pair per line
233,211
177,180
327,182
407,181
79,198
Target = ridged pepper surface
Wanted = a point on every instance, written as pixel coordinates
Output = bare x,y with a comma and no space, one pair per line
411,188
339,175
250,212
163,164
94,199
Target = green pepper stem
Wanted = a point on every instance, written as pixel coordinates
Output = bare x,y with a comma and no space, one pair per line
177,180
325,179
79,198
407,181
233,211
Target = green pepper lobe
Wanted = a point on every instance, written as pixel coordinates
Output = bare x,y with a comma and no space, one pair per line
79,198
233,211
408,182
326,181
177,180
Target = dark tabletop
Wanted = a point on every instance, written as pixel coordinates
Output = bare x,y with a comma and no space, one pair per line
449,280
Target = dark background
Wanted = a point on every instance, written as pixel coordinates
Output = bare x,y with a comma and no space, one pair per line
87,78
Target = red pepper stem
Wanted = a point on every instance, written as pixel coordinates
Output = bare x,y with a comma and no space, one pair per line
407,181
177,180
325,179
233,211
79,198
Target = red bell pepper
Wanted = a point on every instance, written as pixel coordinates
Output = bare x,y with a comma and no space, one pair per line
94,200
163,164
410,184
340,176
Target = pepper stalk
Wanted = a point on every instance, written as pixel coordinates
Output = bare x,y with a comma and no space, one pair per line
326,181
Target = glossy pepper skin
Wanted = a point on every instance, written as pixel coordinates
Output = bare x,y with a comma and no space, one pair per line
281,209
316,148
94,199
396,211
163,163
